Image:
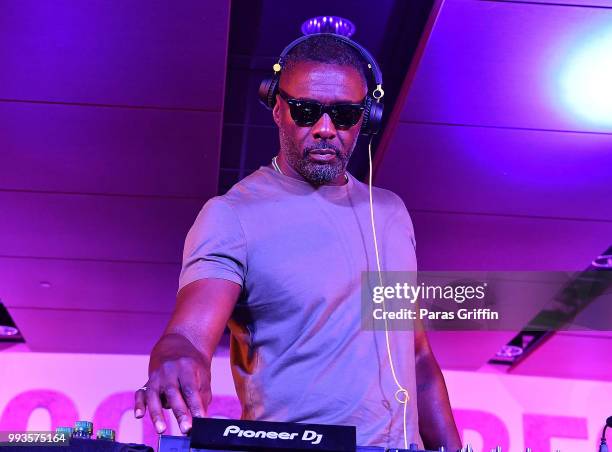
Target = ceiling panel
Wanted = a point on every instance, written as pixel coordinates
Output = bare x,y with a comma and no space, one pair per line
509,64
88,285
112,117
517,172
489,242
109,150
573,3
160,53
95,227
73,331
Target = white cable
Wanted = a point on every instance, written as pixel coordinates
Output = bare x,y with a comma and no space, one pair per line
401,389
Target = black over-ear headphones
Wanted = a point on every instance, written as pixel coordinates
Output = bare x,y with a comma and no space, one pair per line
372,114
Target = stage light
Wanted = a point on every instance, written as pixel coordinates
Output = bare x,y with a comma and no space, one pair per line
8,331
585,80
328,24
603,261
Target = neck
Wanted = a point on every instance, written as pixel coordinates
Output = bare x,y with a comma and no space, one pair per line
288,170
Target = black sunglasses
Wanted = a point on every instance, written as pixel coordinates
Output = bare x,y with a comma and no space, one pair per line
305,113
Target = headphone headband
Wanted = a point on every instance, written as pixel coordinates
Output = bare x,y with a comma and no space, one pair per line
365,55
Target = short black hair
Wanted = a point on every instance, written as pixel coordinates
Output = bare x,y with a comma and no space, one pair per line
326,49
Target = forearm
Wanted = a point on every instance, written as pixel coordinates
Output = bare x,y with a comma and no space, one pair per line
201,313
436,423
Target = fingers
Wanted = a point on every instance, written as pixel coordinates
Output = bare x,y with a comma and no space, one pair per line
155,409
179,408
140,406
182,385
190,388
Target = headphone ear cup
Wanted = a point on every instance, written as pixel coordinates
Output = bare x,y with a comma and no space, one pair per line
267,92
372,117
366,117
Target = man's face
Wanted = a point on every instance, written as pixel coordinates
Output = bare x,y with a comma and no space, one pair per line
319,153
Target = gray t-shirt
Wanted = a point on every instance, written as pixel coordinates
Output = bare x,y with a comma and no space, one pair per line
298,352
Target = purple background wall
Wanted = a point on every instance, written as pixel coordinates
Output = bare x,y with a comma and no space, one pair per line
497,173
111,118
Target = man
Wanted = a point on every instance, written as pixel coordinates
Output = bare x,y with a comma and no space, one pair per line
279,260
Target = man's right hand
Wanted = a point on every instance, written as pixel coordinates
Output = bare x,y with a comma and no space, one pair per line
179,379
179,369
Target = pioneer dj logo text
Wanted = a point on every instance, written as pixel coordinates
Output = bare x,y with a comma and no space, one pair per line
308,435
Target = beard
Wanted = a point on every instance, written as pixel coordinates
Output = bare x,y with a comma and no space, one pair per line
316,173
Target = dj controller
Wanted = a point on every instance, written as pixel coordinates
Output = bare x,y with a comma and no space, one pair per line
213,435
169,443
208,435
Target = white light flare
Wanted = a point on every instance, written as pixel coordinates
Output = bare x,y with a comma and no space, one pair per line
585,80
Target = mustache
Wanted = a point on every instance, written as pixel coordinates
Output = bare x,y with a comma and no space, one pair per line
322,145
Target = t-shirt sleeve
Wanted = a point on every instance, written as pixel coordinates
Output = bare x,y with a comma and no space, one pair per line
215,246
407,222
399,226
400,219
